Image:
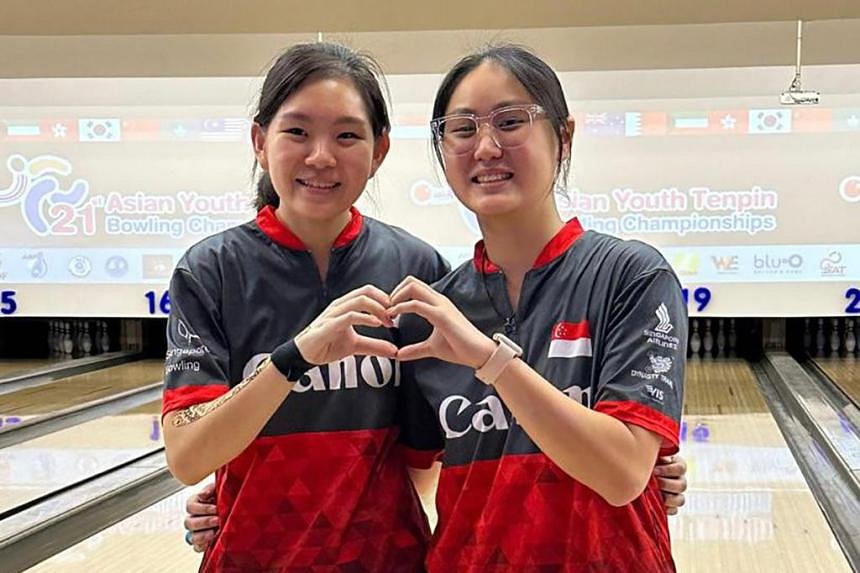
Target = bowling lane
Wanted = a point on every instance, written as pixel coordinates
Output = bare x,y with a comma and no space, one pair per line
748,506
149,541
82,388
37,467
845,372
10,366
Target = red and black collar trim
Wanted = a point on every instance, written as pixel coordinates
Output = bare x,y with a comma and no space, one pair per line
273,228
556,247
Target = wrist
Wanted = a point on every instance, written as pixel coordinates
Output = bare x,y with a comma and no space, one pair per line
483,353
288,360
505,352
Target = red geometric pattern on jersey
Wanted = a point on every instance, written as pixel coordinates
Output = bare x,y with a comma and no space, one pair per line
184,396
523,513
556,247
645,417
304,502
276,230
419,458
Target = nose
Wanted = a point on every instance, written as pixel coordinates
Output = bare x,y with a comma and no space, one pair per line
321,155
485,145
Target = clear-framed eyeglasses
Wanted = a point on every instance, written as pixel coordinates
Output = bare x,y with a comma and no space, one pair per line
510,126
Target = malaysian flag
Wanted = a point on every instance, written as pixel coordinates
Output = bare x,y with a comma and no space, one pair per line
226,129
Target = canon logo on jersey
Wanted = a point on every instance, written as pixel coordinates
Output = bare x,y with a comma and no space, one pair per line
345,374
488,415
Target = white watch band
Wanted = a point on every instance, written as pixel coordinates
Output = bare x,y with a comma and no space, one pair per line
505,352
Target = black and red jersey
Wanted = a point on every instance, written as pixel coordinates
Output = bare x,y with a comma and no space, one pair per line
323,486
604,321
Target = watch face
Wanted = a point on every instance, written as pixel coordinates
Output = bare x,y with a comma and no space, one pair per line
502,339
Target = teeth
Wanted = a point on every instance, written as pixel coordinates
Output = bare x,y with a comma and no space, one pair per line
317,185
492,178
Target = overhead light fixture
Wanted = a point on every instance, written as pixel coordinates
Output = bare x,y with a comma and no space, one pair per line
796,95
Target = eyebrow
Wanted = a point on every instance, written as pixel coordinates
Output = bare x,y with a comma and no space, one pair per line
342,120
468,110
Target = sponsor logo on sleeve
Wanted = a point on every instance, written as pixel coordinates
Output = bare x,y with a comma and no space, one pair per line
656,370
659,335
664,324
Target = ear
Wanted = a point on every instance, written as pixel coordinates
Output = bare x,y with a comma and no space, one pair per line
567,137
380,149
258,139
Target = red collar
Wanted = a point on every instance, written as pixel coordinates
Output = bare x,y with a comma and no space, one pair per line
556,246
282,235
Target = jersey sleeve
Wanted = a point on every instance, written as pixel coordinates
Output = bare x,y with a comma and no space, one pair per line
197,361
641,372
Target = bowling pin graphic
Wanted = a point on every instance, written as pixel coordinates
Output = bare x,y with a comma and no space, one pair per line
695,339
155,429
708,338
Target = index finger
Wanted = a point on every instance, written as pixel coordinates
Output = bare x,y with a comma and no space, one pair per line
411,288
367,290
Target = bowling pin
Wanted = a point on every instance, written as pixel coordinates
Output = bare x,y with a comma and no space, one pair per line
86,341
807,336
105,337
733,336
695,339
835,343
721,337
708,338
819,337
68,343
850,337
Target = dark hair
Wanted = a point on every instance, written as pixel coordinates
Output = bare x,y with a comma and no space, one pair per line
533,73
304,62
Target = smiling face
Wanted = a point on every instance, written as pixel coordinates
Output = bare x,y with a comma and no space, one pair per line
490,180
319,150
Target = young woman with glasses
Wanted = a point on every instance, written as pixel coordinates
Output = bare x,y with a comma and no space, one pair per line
548,371
509,190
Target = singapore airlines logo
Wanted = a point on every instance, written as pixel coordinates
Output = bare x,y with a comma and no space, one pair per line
664,325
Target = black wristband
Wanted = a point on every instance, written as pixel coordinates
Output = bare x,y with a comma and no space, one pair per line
289,361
